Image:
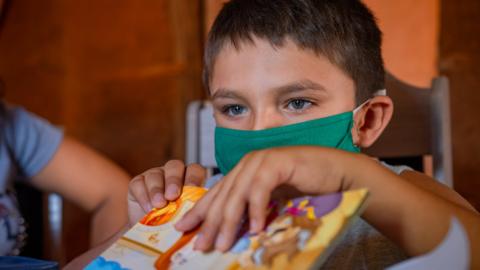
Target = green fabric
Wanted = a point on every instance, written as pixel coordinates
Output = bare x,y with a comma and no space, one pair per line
333,131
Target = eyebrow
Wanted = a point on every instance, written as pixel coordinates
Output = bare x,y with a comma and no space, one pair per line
226,93
299,86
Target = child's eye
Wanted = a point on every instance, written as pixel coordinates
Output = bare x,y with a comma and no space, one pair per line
234,110
298,104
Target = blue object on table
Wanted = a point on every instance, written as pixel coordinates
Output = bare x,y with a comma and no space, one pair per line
18,262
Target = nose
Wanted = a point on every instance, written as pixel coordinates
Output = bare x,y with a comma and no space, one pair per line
268,118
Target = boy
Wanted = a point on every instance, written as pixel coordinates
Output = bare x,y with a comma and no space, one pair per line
295,90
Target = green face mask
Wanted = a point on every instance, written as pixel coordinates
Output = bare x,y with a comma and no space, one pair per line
334,131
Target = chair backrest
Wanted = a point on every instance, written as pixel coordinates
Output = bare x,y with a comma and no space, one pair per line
200,144
420,126
42,213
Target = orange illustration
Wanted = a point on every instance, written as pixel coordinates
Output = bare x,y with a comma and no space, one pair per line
161,216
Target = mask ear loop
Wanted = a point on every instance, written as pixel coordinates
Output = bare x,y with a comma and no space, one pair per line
378,93
381,92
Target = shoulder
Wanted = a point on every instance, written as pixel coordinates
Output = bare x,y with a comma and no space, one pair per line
397,169
18,120
31,140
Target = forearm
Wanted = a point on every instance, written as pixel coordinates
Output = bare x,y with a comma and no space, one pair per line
414,218
88,179
108,218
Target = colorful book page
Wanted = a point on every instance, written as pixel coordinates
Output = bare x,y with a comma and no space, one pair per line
299,235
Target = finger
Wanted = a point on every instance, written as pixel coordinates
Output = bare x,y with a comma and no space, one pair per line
197,214
195,175
258,200
208,230
213,218
229,225
155,183
270,174
216,215
137,193
213,212
174,172
235,203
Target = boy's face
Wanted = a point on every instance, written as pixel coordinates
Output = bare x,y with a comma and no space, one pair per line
259,86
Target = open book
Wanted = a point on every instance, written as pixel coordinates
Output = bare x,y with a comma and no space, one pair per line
299,234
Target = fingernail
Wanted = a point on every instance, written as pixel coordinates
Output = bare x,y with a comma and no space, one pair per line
254,226
199,242
158,200
147,207
179,225
221,242
172,191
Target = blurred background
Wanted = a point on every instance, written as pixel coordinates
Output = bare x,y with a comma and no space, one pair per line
118,74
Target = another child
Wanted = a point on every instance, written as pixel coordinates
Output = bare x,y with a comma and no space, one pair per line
34,150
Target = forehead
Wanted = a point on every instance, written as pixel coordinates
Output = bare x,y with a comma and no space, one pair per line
259,65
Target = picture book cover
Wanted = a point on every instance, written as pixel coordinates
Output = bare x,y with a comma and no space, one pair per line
299,235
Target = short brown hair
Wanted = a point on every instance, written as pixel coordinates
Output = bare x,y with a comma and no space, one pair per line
344,31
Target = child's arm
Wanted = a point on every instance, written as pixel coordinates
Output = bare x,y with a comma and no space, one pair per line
90,180
426,182
411,215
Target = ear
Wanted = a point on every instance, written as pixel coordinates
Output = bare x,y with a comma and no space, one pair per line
371,120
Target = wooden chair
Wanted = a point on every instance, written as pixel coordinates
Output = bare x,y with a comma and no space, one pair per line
57,230
420,126
200,137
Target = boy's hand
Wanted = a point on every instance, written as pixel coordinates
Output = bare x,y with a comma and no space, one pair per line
249,186
157,186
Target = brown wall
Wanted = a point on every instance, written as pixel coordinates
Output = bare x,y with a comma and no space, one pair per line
117,74
459,59
410,37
